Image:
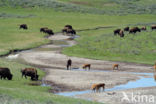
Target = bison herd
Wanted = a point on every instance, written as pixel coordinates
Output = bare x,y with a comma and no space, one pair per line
68,30
133,30
31,72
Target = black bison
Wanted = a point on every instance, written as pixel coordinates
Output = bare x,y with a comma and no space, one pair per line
68,29
71,31
69,63
23,26
143,28
43,29
126,29
116,31
5,73
49,31
153,27
134,30
31,72
121,33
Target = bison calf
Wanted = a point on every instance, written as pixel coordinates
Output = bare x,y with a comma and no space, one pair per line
31,72
86,66
5,73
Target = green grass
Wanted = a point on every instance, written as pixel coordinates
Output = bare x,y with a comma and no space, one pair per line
18,91
14,38
103,45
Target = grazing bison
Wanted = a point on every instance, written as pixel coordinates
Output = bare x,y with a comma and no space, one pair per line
126,29
115,66
49,31
143,28
86,66
153,27
134,30
121,33
68,29
5,73
23,26
43,29
116,31
31,72
96,87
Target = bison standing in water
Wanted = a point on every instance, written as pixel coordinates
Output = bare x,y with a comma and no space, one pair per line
116,31
31,72
96,87
153,27
5,73
23,26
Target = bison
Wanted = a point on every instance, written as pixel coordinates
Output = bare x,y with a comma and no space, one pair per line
116,31
31,72
134,30
126,29
23,26
115,66
43,29
121,33
49,31
96,87
68,29
86,66
69,63
5,73
153,27
71,31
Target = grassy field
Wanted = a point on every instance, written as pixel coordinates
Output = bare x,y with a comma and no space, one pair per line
14,38
103,45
